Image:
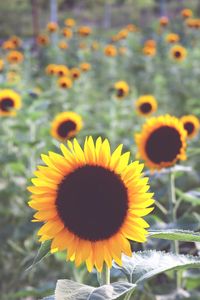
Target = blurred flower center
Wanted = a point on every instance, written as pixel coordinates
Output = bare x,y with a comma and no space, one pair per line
6,104
145,107
65,128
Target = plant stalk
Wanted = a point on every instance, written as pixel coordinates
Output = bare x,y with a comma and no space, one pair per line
104,276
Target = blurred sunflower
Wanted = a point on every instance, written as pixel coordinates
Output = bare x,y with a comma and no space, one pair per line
42,40
84,31
110,50
193,23
16,41
149,51
67,33
70,22
150,43
172,38
131,28
8,45
146,105
121,88
51,69
52,27
62,70
186,13
63,45
65,82
123,34
15,57
75,73
85,66
164,21
191,125
178,52
13,77
66,125
92,202
162,142
1,65
10,101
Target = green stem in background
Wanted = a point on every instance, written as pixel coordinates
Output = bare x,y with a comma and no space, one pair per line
104,276
173,219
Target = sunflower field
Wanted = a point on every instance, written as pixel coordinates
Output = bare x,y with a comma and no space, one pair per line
100,150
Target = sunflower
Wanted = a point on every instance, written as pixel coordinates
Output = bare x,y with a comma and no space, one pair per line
16,41
42,40
146,105
191,125
121,88
51,69
186,13
52,27
149,51
162,142
15,57
65,82
84,31
85,66
123,34
1,65
92,202
172,38
70,22
67,33
62,70
10,101
131,28
66,125
63,45
178,52
110,50
164,21
8,45
150,43
75,73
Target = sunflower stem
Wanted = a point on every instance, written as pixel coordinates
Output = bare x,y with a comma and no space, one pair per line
172,215
104,276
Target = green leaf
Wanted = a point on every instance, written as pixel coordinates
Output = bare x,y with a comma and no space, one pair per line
144,265
192,197
175,235
43,251
67,289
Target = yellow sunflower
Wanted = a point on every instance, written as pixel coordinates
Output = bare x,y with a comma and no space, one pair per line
75,73
8,45
146,105
70,22
92,202
110,50
67,33
149,51
10,101
84,31
42,40
191,125
186,13
172,38
178,52
62,70
164,21
51,69
52,27
63,45
15,57
150,43
85,66
65,82
16,41
122,89
162,142
66,125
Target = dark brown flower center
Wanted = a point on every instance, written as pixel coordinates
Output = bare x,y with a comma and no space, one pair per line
6,104
145,107
120,92
65,128
163,145
189,127
177,54
92,202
